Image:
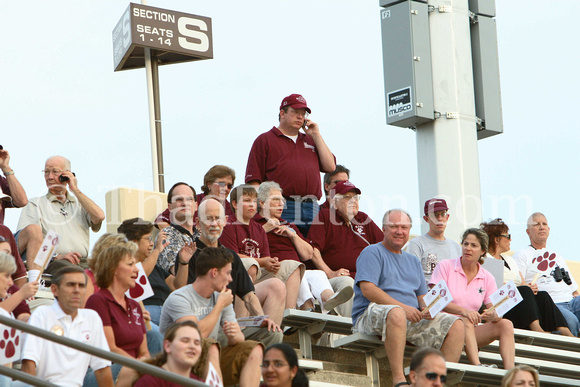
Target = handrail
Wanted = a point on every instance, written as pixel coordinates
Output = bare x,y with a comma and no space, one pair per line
113,357
26,378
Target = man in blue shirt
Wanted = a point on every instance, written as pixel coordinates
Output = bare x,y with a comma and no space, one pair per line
389,295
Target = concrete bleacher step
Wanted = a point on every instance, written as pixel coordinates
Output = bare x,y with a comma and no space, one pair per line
339,378
547,340
538,352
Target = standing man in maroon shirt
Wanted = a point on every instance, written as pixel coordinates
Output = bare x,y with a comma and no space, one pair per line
292,159
338,236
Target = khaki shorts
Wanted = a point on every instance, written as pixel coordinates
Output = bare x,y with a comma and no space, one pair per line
287,267
425,333
232,359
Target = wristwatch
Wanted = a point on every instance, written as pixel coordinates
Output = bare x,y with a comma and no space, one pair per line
9,173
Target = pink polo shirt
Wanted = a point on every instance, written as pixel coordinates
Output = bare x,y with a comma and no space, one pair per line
293,165
468,295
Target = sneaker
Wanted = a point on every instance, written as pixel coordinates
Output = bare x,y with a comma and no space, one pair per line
487,365
339,298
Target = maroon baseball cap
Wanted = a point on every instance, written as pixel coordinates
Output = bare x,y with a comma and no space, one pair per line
434,205
343,187
296,101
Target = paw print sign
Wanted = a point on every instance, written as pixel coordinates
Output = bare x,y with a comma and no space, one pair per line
142,289
545,261
10,344
213,378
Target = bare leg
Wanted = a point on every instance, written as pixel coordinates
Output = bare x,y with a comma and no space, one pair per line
396,336
308,304
272,294
214,359
565,331
454,340
253,273
251,373
504,331
240,308
326,295
292,288
30,240
535,326
470,343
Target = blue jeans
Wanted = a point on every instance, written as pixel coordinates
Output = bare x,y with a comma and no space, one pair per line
155,312
571,312
300,213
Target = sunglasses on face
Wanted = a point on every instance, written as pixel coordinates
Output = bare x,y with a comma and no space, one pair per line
434,375
224,184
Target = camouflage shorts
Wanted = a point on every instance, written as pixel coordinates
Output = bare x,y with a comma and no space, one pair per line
428,333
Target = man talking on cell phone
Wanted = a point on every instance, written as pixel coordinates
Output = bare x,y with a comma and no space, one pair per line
293,159
69,215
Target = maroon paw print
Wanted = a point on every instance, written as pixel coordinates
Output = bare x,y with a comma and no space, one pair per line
545,261
138,290
9,342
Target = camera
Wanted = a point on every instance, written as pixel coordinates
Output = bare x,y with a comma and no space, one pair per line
560,274
62,178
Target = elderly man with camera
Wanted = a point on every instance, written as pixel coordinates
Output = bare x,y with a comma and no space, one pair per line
550,268
70,216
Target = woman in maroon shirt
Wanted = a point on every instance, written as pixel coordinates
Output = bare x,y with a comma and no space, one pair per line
181,352
116,271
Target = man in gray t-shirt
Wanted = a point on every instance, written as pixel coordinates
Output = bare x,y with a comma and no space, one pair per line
208,302
433,247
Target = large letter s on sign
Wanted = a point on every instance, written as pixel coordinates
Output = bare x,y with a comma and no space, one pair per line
182,25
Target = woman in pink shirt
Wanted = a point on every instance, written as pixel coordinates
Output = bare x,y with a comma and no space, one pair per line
471,285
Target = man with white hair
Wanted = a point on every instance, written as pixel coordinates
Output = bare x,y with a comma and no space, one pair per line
553,275
70,216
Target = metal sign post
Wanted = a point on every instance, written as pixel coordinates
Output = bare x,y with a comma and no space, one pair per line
149,37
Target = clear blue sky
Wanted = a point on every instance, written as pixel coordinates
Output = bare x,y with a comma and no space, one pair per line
59,95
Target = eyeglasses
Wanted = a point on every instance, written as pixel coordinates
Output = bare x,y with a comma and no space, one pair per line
149,238
275,364
508,236
224,184
434,375
351,197
439,214
53,171
335,181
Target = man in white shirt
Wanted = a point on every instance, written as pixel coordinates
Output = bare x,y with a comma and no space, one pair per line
553,273
54,362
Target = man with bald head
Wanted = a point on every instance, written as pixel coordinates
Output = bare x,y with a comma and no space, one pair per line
388,299
551,270
69,215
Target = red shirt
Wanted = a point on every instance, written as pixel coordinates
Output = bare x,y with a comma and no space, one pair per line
20,268
295,166
341,244
128,324
281,246
247,239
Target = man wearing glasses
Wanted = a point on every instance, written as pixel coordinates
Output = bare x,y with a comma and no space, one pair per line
338,236
70,216
428,368
292,159
433,247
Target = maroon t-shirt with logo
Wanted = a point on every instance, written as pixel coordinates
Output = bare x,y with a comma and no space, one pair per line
246,239
127,324
340,244
293,165
281,246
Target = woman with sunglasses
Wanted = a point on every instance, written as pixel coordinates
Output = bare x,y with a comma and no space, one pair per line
536,311
280,367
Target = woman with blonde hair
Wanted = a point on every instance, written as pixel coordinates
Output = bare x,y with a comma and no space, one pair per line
521,376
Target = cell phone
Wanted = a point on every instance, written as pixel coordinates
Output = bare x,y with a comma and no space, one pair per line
62,178
1,147
304,125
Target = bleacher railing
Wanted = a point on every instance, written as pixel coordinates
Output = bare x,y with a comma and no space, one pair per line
141,367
